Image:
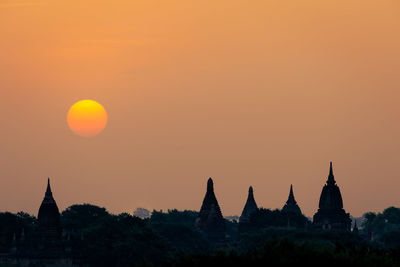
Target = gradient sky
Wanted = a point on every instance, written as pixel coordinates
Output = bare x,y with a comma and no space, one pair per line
263,93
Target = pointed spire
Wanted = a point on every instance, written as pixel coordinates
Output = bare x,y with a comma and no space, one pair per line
210,185
48,196
48,190
331,177
291,195
291,199
250,196
291,204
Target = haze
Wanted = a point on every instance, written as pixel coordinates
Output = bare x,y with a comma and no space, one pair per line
263,93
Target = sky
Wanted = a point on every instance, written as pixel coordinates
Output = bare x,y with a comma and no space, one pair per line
262,93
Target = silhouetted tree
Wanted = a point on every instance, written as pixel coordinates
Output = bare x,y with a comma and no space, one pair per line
13,224
383,229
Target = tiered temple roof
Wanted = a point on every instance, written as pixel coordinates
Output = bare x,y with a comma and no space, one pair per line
331,215
291,204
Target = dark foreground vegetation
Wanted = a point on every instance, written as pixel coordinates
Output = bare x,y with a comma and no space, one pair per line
271,238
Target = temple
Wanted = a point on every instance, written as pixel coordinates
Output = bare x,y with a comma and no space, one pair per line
44,246
210,218
49,219
291,204
249,207
331,215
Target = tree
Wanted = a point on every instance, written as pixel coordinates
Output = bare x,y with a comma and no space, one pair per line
77,217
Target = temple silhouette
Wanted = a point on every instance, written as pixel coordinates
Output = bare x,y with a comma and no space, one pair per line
210,218
49,222
291,204
48,245
331,215
44,247
249,207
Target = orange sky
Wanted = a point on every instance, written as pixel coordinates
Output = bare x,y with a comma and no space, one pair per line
263,93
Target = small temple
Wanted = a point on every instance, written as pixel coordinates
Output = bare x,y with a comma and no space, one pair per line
331,215
210,218
291,204
249,207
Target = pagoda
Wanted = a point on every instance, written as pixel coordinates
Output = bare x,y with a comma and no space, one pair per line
210,218
291,204
49,216
44,246
331,215
249,207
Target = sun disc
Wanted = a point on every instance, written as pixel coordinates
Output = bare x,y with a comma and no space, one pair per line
87,118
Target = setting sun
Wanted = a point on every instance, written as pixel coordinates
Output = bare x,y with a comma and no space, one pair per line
87,118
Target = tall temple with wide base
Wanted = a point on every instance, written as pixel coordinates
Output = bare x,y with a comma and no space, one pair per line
45,246
331,215
49,232
291,204
249,207
210,218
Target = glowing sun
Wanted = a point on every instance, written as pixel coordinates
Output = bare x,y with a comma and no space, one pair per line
87,118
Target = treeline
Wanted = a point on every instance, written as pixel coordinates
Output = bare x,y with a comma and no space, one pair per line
383,229
270,238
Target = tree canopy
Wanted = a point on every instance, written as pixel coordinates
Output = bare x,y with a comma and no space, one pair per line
99,238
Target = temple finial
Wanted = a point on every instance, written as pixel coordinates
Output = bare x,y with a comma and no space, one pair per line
331,177
210,184
291,195
48,189
251,192
48,185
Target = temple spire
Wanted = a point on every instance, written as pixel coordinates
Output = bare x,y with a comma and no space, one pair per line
291,195
210,185
331,177
48,196
48,190
291,204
